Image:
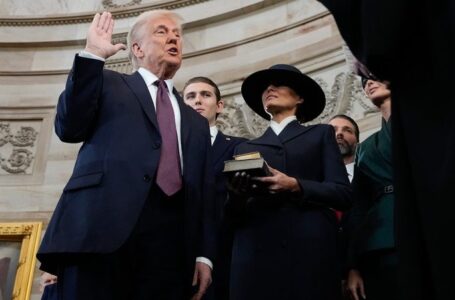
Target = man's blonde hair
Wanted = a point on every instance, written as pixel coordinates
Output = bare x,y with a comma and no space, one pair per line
138,30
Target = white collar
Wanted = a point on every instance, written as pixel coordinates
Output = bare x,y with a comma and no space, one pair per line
350,170
278,127
150,78
213,133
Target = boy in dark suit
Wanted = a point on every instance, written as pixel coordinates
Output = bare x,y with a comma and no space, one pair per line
204,96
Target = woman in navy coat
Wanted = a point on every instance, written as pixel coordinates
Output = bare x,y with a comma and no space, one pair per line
285,243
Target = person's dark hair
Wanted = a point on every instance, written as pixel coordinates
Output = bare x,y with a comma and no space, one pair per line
351,120
207,81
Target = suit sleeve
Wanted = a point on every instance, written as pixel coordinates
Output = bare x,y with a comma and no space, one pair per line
209,235
235,206
362,192
78,104
334,191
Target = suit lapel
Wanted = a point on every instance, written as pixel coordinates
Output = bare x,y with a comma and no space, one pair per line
140,90
184,121
269,138
291,131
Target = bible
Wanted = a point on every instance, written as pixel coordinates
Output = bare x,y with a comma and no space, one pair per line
252,163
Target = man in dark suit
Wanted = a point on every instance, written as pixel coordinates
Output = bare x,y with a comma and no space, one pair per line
135,219
204,96
411,44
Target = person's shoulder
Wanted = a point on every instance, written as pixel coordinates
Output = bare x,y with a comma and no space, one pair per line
320,128
233,139
366,144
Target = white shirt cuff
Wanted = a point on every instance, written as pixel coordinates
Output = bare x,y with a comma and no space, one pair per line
87,54
205,261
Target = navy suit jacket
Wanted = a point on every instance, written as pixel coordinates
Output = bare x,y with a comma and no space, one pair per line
113,115
222,150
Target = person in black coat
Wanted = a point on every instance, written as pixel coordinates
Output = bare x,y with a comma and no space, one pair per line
285,244
411,45
204,96
119,231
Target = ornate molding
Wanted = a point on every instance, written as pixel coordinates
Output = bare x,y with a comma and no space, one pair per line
16,229
16,160
5,133
111,4
118,12
240,120
25,134
25,137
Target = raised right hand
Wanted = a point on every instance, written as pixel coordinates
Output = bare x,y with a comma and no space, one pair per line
99,36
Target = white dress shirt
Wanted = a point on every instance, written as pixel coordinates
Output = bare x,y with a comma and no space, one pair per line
213,133
149,79
350,170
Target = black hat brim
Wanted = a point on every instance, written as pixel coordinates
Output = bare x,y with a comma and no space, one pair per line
313,95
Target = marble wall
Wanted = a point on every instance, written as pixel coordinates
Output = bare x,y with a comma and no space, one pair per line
224,40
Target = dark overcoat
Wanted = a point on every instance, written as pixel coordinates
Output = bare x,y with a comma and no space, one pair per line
285,245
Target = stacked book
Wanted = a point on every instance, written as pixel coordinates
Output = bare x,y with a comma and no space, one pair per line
252,163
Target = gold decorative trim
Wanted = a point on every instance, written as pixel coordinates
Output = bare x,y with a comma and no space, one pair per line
118,13
28,235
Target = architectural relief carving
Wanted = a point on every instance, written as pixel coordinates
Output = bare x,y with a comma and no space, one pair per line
26,136
19,161
341,98
14,160
5,133
111,4
240,120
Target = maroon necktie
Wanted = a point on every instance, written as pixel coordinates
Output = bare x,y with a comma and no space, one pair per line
169,177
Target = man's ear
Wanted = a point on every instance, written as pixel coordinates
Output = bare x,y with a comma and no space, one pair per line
219,106
137,51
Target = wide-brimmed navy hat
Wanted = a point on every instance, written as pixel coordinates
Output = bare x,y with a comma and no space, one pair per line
284,75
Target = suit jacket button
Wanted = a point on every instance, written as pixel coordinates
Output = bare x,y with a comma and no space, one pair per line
146,178
157,145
